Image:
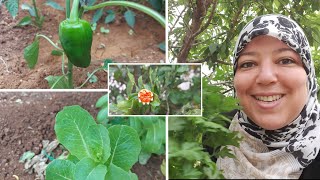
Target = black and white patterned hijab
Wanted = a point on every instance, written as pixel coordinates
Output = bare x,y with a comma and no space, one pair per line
301,137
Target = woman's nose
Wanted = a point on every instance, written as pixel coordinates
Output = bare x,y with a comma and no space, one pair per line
267,74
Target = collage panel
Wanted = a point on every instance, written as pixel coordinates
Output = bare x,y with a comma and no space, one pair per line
49,135
155,89
260,90
43,48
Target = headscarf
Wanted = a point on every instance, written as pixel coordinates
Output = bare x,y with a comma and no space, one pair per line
296,144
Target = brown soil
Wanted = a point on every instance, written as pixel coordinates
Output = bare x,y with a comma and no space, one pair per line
28,118
140,47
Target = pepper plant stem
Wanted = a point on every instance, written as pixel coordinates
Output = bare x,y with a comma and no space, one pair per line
70,77
74,11
134,5
49,40
96,70
67,8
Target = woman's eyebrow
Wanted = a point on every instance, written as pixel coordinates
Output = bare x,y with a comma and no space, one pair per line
282,50
249,53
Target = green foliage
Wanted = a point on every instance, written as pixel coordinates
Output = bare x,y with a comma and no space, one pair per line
13,7
96,152
34,12
31,53
188,137
175,88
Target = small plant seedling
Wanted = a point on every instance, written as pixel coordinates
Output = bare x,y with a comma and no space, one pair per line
96,152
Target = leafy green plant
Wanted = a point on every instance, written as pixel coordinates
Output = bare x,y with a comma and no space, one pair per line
196,142
65,81
96,152
151,130
175,89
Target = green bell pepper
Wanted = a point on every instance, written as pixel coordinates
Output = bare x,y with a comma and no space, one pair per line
76,38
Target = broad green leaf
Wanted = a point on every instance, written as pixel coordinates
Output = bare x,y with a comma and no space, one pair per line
88,169
131,77
183,68
130,18
97,15
57,52
57,82
73,158
102,116
60,170
31,53
12,7
54,5
136,124
125,146
26,6
110,17
25,21
102,101
71,124
98,143
116,173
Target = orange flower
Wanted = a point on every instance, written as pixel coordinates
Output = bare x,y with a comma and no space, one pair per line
145,96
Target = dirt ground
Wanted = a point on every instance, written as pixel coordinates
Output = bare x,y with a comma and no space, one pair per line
27,118
120,46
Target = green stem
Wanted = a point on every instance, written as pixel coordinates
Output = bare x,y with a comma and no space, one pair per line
70,79
74,11
96,70
137,6
62,66
67,8
49,40
35,9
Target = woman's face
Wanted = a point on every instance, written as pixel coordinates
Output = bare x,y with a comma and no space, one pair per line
270,82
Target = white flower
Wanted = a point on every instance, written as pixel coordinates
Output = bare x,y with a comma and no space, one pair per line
184,86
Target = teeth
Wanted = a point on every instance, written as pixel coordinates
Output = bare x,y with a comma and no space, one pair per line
268,98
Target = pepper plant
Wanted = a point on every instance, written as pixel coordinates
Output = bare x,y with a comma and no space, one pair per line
75,37
96,152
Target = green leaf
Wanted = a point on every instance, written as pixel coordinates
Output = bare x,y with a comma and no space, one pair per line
156,4
144,157
73,158
103,30
71,124
162,46
130,18
125,146
97,15
156,135
94,26
87,169
31,53
12,7
57,82
183,68
60,169
115,173
102,101
97,139
110,17
57,52
26,155
54,5
102,116
26,6
25,21
140,82
93,78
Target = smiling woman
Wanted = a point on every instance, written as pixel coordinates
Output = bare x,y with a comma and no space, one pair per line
274,80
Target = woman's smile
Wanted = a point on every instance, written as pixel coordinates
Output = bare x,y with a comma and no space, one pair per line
268,102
